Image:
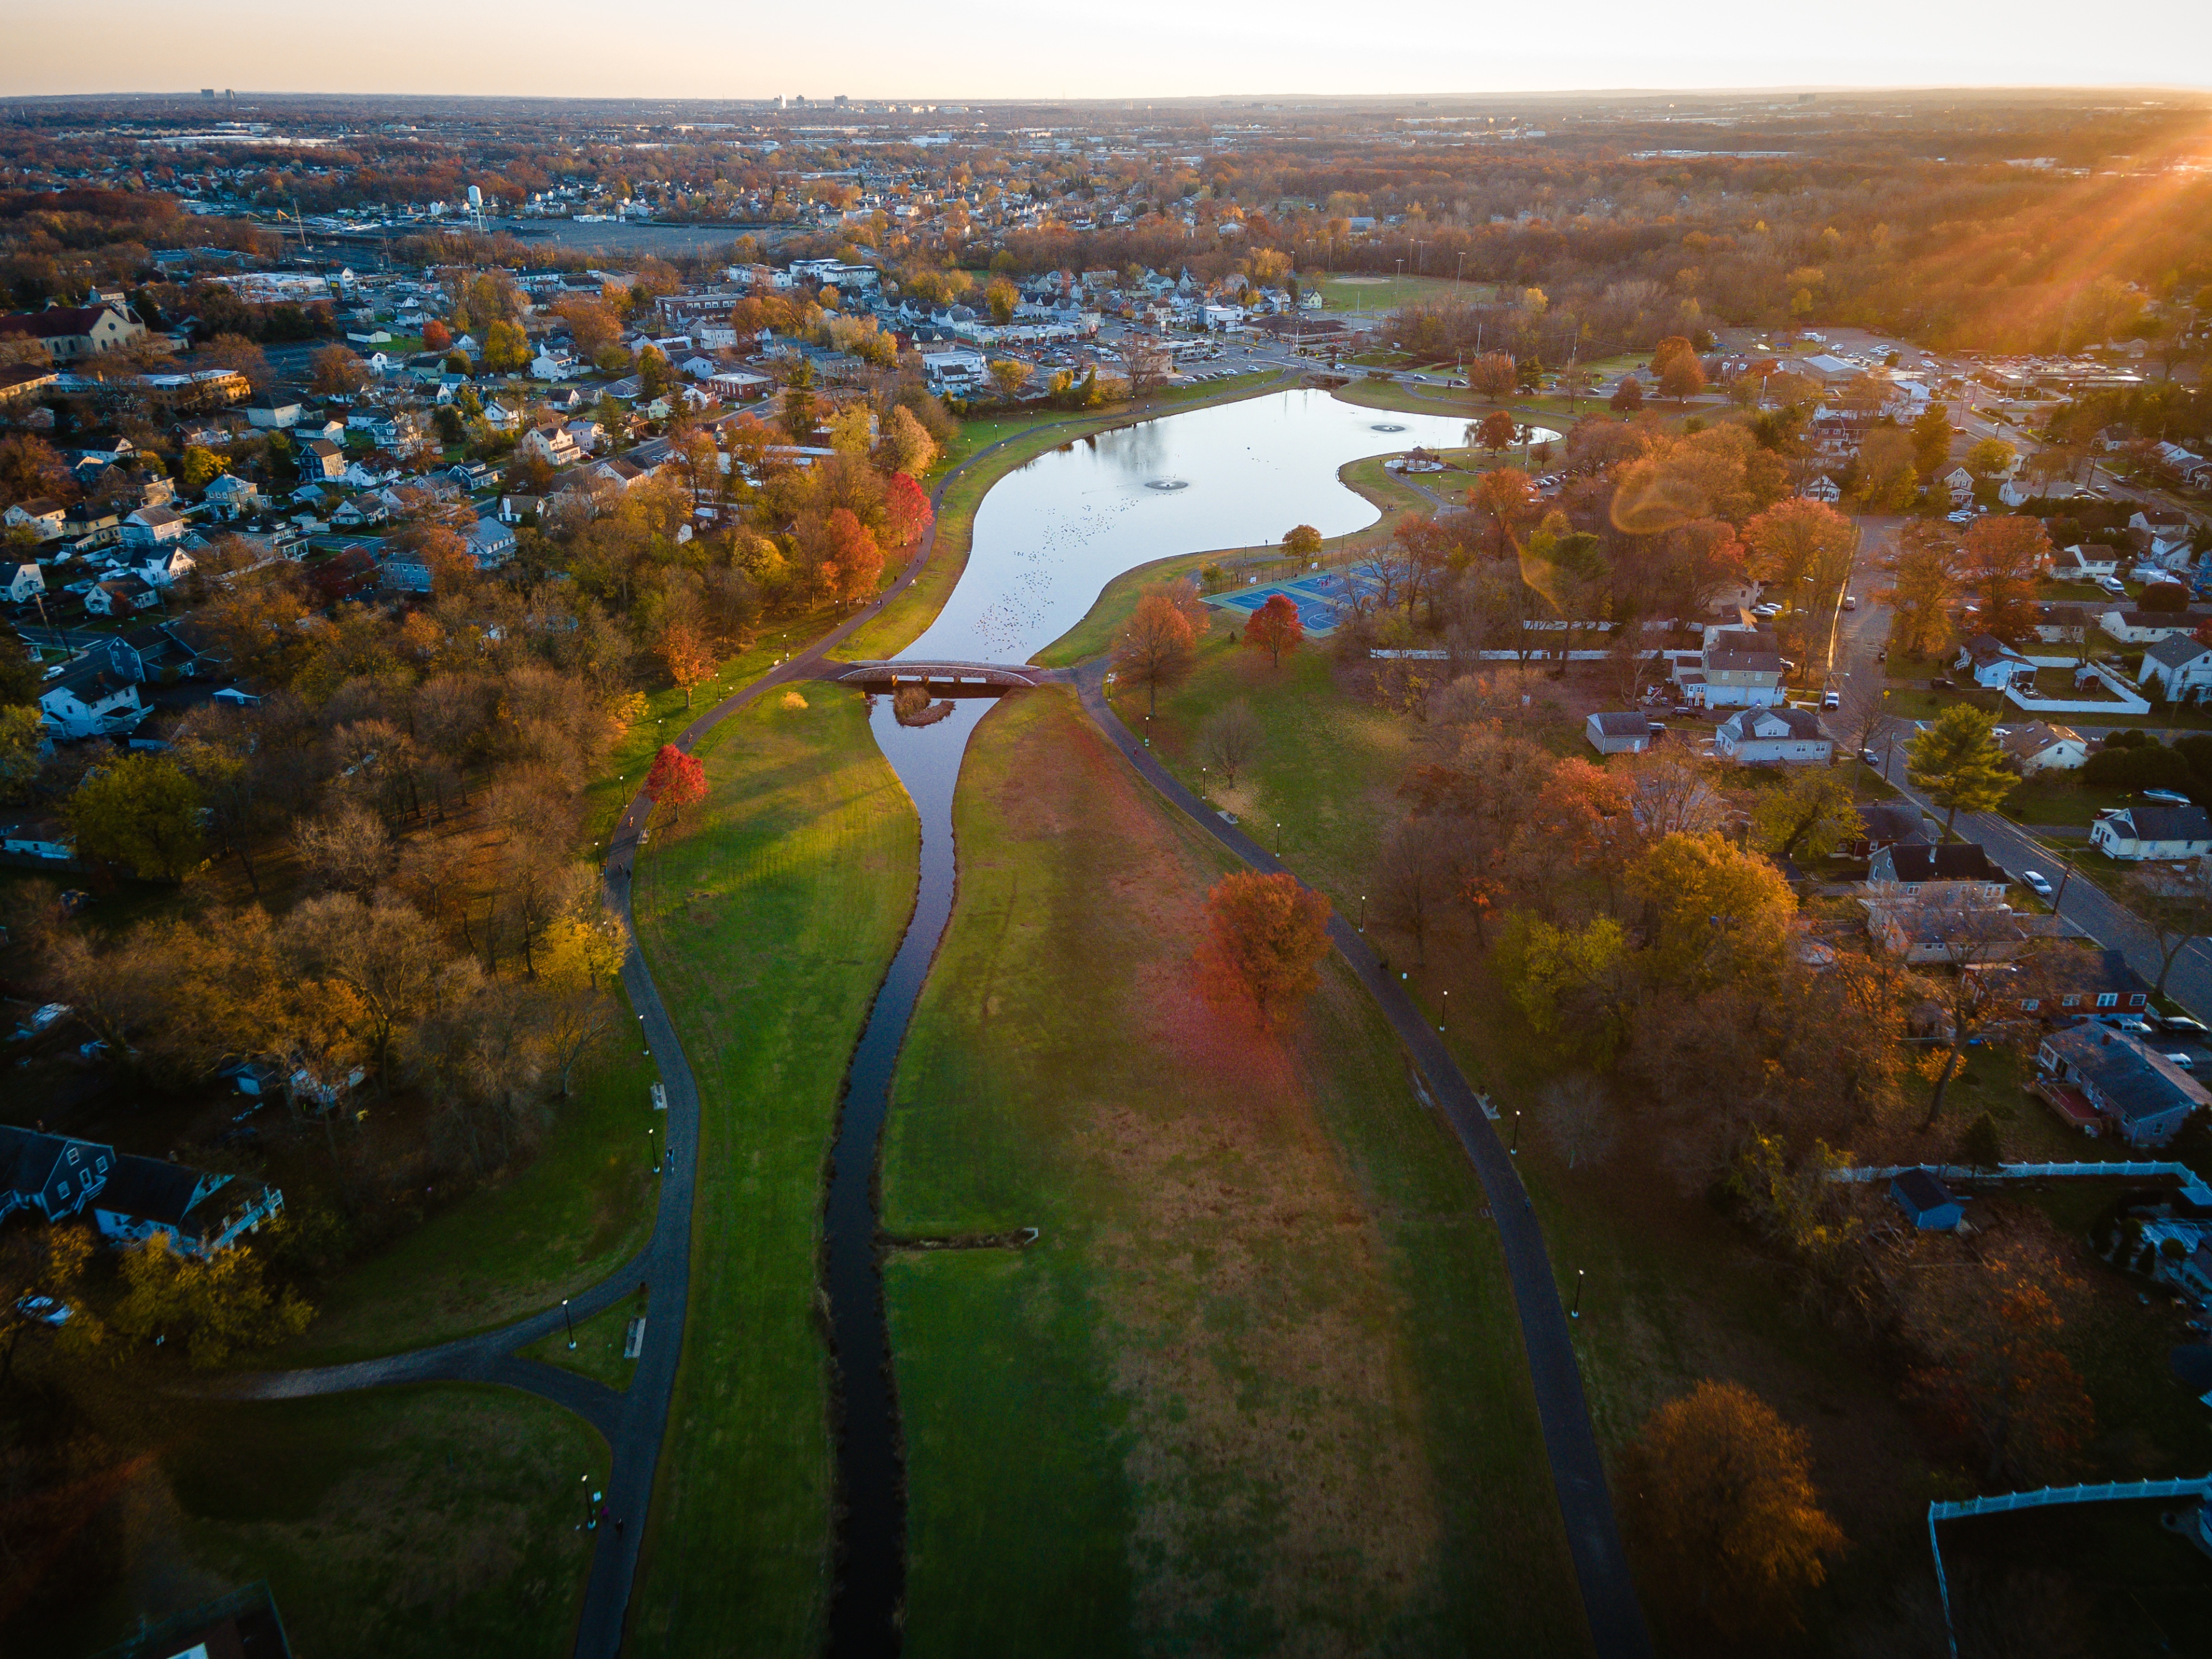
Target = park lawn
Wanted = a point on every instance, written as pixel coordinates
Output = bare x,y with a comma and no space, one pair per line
599,1351
769,922
429,1522
1258,1385
1354,292
571,1216
1327,768
2059,799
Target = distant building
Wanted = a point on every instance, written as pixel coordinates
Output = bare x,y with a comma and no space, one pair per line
1762,736
1926,1201
71,333
2141,1094
1618,734
131,1198
2136,832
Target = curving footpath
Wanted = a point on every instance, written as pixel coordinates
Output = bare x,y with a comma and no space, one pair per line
1609,1603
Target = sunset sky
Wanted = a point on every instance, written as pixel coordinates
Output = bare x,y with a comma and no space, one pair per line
1144,48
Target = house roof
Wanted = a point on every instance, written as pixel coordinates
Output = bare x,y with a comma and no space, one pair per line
1731,658
2156,823
2169,620
1799,723
149,1189
27,1157
56,320
1622,725
2179,650
1985,648
2033,739
1896,822
1948,861
2130,1081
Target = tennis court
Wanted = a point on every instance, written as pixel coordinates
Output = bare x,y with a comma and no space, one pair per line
1317,597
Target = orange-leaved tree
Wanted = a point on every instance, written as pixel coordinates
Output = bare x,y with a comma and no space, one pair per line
683,651
1266,938
907,512
2006,556
1275,628
854,562
676,781
1719,1494
1155,646
1506,498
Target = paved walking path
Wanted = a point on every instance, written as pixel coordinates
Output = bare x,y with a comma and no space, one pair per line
1609,1601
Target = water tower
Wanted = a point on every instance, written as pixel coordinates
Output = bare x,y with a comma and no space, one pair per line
475,205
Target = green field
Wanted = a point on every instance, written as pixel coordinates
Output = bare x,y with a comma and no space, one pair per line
1258,1386
1356,291
434,1522
599,1351
769,921
568,1219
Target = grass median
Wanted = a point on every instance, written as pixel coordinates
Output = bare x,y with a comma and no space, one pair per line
768,920
1258,1384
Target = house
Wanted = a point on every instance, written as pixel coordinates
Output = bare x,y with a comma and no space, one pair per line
2143,1095
164,565
491,543
2083,982
278,414
119,596
231,497
52,1175
43,839
513,509
1928,932
2153,832
1948,873
1960,484
1928,1203
1737,669
360,513
153,527
556,446
70,332
738,384
1991,662
1889,823
1618,734
1822,489
499,418
20,583
2039,748
1762,736
2147,627
2178,668
552,365
198,1211
318,458
2089,561
44,517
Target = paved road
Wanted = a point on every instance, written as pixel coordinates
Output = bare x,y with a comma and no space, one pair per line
1609,1601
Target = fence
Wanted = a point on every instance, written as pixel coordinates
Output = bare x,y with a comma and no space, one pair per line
2193,1187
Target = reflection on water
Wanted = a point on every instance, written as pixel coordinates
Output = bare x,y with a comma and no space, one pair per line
1050,534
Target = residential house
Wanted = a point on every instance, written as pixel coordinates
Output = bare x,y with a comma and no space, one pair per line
1737,669
71,333
2081,982
2088,561
490,542
43,517
2164,522
1889,823
1758,737
47,839
551,364
1928,931
513,509
52,1175
2040,748
1991,662
232,496
97,696
318,458
1821,488
21,582
1928,1203
1946,872
152,527
360,512
499,418
1960,484
2151,832
738,384
2178,668
120,596
1618,734
2147,627
556,446
279,415
2140,1094
197,1211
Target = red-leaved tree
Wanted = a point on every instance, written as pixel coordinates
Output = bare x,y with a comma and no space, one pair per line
854,561
1266,938
676,781
907,513
1275,629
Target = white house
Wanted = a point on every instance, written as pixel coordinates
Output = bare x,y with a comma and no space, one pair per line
551,365
92,699
44,517
1991,662
2086,563
233,495
2178,668
499,418
2039,748
1618,734
1779,733
2137,832
1960,484
21,582
119,596
165,565
2147,627
1736,669
152,527
1822,489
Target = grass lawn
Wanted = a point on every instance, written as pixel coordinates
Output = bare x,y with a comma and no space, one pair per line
769,922
599,1351
424,1521
569,1218
1380,293
2059,799
1258,1386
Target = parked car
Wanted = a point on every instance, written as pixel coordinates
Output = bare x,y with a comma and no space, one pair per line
1851,601
1872,758
2036,882
1939,683
1831,700
2182,1026
2185,1061
2166,797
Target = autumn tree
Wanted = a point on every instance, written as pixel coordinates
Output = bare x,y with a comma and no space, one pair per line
1414,882
1990,460
1811,813
1229,737
1493,432
1683,377
30,468
1931,441
684,652
1301,541
1799,538
1957,761
436,337
908,447
1505,497
854,562
1265,937
1719,1491
506,348
239,354
1925,583
2004,558
1010,375
1712,912
1493,375
907,512
338,373
1275,628
213,1305
1155,648
1627,396
677,780
141,811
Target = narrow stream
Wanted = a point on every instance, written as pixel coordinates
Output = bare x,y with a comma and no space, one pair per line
1047,537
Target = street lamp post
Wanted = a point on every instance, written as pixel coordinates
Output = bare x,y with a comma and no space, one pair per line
1515,1148
1444,1012
652,1151
590,1521
1363,913
569,1322
1576,1312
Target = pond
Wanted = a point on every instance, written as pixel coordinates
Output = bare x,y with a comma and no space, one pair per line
1051,534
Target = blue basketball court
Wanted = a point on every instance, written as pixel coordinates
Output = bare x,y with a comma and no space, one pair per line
1317,597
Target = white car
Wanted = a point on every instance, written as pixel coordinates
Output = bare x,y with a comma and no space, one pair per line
2036,882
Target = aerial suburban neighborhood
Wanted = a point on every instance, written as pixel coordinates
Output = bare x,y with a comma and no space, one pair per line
1211,875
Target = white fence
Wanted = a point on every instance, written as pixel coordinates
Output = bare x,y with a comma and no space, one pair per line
2126,699
2193,1187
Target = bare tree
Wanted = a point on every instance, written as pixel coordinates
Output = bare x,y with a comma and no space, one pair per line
1415,880
1230,738
349,850
1579,1118
2175,901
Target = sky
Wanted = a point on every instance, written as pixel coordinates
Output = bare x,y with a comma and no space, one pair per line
1135,49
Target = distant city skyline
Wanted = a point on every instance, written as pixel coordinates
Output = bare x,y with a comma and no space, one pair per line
991,49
